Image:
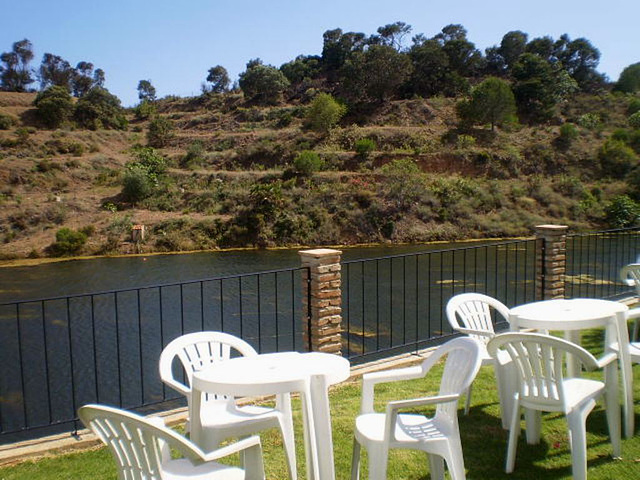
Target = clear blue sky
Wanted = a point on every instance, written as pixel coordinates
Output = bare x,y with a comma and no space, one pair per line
174,43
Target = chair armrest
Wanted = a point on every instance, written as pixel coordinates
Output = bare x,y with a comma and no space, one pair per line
370,380
417,402
235,447
606,359
183,389
480,333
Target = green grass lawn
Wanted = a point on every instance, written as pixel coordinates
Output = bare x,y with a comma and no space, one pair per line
484,441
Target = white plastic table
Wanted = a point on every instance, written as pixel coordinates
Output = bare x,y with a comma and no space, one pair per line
573,315
307,373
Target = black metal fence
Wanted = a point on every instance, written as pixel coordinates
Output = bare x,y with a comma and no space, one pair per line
57,354
397,303
594,261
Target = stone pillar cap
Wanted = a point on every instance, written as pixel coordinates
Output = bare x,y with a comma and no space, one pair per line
552,227
320,252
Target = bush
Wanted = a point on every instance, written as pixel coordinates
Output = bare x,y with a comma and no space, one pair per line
194,156
100,109
568,133
68,242
325,112
54,106
364,147
307,162
590,121
6,121
145,110
616,158
622,212
634,106
634,120
136,184
160,132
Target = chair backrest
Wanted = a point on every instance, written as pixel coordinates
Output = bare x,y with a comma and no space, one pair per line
539,360
463,360
473,311
630,275
197,351
137,444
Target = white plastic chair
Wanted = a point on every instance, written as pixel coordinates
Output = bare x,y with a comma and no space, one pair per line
630,275
142,447
539,360
220,417
470,313
437,436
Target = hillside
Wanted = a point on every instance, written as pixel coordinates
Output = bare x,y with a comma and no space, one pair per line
230,179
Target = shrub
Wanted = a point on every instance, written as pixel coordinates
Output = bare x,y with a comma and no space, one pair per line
634,106
325,112
6,121
589,121
307,162
100,109
465,141
160,132
634,120
622,212
54,106
136,184
616,158
145,110
68,242
194,156
364,147
568,133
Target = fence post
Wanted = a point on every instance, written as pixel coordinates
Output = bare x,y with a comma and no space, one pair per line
322,297
551,261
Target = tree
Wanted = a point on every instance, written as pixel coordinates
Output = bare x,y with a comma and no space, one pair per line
337,47
98,108
535,87
54,106
629,80
375,74
513,45
580,58
146,91
464,57
263,83
431,72
82,80
98,78
325,112
393,34
160,132
492,101
218,77
55,70
543,47
304,67
15,75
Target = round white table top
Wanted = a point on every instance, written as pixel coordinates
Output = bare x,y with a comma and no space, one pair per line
271,370
564,314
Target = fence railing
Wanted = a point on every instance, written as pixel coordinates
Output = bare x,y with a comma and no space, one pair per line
57,354
594,261
397,303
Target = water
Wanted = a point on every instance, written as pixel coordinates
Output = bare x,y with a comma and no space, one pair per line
110,273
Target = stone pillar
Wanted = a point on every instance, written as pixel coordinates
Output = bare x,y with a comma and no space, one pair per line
322,290
551,261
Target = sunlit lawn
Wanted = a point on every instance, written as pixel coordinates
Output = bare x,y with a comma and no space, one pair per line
483,439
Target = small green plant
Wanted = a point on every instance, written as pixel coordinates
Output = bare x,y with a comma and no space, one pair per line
634,106
6,121
160,132
364,147
194,156
325,112
634,120
568,133
465,141
616,158
622,212
68,242
590,121
307,162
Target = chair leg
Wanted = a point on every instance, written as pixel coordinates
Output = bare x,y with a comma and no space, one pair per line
612,407
533,422
355,461
578,440
514,433
468,401
253,464
378,458
436,466
455,460
286,428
